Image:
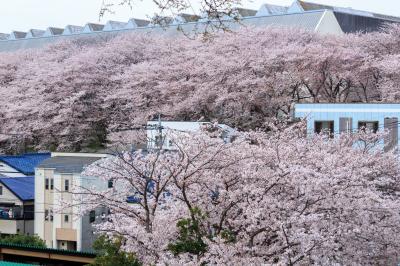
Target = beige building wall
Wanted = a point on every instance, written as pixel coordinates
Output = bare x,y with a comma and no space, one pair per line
9,197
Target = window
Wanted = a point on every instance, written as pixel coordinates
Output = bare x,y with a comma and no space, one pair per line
110,183
326,127
46,215
1,190
46,184
66,218
51,183
92,216
158,141
51,215
368,126
66,185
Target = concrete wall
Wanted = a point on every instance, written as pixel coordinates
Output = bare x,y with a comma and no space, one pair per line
329,24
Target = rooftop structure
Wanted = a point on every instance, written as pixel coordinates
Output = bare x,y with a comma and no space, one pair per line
20,165
22,187
157,136
314,17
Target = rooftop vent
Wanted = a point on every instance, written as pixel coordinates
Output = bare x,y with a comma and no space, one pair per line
72,29
4,36
52,31
91,27
33,33
184,18
136,23
114,25
15,35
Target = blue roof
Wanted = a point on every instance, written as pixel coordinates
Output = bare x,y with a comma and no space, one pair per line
22,187
25,163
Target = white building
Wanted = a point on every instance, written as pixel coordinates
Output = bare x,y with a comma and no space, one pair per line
157,136
54,179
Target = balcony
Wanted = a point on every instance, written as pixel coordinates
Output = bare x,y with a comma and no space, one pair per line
16,212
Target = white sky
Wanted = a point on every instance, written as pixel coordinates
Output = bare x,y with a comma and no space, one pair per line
39,14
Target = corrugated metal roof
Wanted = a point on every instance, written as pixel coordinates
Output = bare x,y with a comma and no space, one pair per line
24,163
68,164
22,187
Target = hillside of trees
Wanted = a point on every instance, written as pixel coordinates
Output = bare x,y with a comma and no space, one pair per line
70,96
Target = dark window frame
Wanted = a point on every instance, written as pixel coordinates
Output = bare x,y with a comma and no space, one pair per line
92,216
318,129
51,183
46,184
66,185
362,125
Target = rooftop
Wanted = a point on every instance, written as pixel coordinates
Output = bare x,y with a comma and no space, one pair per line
24,163
301,14
22,187
68,164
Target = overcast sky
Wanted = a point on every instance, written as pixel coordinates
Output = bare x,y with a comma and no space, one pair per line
39,14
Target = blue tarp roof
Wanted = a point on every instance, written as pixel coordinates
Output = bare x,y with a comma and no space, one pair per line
25,163
22,187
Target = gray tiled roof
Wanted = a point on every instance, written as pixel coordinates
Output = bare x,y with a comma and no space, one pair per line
67,164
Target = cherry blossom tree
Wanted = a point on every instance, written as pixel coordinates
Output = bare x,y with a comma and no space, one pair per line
71,95
276,198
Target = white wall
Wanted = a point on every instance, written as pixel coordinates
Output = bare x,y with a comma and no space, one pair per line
8,171
179,126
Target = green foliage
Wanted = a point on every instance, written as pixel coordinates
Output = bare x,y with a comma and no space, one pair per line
110,253
190,235
23,240
228,236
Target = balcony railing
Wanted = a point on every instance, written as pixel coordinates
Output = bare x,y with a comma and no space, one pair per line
16,213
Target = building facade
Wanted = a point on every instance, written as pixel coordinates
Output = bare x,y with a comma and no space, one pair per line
17,205
54,179
349,117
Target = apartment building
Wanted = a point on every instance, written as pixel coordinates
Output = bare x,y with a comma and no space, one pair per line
54,179
336,118
16,205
